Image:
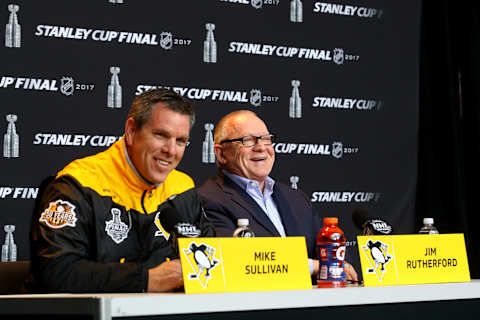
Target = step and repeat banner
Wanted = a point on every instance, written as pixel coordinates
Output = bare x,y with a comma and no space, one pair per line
337,82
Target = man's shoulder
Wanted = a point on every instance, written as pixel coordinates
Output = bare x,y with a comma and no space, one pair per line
288,192
179,176
209,187
86,170
178,181
95,171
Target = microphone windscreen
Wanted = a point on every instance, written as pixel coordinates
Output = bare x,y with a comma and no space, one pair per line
176,223
169,217
359,217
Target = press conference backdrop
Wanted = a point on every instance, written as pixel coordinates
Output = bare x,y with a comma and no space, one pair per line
337,82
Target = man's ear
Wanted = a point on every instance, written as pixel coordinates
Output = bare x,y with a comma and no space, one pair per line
219,154
130,129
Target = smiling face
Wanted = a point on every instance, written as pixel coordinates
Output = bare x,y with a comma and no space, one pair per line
158,146
254,163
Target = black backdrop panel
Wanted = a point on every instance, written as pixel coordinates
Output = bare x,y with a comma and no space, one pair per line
348,139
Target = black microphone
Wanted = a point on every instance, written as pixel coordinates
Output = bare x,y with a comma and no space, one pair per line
370,226
178,224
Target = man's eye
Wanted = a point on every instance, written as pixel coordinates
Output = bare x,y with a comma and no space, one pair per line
181,142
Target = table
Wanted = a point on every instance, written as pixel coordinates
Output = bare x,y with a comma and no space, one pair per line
429,301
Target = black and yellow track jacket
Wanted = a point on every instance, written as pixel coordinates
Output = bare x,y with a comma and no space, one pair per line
96,228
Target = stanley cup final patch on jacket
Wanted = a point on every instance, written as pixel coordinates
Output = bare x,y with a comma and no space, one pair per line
59,214
116,228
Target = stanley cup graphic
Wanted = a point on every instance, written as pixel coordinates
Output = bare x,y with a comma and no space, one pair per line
296,11
10,139
294,181
208,155
9,248
209,45
13,29
114,90
295,101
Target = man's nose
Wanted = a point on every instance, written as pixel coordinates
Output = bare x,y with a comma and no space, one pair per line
259,145
170,146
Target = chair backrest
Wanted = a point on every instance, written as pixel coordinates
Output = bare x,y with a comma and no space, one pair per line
12,276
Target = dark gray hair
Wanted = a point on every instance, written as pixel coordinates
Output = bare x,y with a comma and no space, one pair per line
142,105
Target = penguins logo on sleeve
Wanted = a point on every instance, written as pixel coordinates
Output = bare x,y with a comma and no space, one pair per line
160,232
59,214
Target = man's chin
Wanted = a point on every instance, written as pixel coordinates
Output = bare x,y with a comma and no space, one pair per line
161,177
157,180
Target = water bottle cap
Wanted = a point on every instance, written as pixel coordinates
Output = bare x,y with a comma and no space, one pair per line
427,220
242,222
330,220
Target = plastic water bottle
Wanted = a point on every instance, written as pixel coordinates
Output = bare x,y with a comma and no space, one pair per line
428,227
243,230
331,255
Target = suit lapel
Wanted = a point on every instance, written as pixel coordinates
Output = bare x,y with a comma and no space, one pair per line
245,201
285,211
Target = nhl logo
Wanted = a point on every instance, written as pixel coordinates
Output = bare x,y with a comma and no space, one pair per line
381,226
255,97
257,4
166,41
338,56
66,86
188,230
337,150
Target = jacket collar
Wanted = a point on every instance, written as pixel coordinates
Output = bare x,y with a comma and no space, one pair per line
245,201
133,175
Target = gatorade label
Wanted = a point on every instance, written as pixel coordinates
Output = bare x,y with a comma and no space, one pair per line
331,257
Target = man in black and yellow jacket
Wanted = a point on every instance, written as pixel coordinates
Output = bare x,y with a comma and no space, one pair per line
96,225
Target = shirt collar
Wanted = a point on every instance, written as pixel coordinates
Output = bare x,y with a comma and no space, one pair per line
245,182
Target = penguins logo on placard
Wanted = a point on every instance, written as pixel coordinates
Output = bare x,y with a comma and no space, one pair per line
337,150
378,256
255,97
202,260
338,56
166,40
59,214
67,86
